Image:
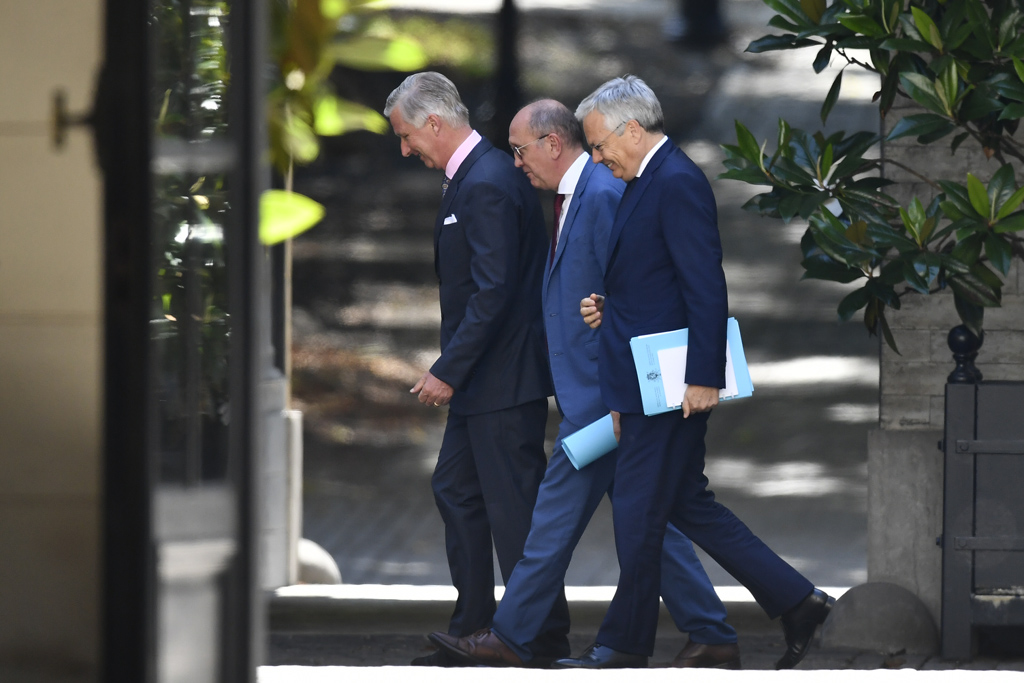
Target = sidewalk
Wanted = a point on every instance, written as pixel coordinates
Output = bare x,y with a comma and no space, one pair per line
356,630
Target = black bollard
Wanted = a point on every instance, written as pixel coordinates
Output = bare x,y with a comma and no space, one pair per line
964,344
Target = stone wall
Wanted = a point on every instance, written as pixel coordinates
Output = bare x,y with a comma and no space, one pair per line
904,463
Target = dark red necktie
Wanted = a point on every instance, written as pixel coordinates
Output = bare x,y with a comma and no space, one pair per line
559,198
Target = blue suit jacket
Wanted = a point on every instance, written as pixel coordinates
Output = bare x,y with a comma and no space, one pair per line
577,271
664,273
490,261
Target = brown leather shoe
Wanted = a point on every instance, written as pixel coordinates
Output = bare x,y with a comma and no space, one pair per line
482,648
701,656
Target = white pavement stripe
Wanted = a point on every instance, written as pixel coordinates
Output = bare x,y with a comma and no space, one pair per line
373,591
377,674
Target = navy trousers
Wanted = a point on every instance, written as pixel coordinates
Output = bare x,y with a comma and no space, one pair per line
485,486
659,478
565,504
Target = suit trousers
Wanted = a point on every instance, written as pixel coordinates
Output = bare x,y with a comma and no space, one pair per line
565,504
485,486
660,478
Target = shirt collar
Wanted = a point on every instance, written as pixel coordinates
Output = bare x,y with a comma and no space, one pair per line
647,159
571,177
461,153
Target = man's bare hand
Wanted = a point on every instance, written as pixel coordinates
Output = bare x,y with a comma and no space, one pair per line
591,309
699,399
616,426
432,391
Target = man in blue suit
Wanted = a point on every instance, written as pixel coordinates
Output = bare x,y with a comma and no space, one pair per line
547,142
664,272
489,252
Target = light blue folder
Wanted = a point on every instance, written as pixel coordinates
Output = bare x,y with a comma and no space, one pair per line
590,443
598,438
648,367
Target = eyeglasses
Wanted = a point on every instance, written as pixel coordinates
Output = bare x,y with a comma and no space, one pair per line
518,151
599,147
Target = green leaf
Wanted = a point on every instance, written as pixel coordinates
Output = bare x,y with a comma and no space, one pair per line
1001,187
967,251
957,141
926,26
833,95
999,253
368,53
974,290
1011,204
862,24
1012,223
1018,66
791,9
769,43
887,333
821,267
922,90
813,9
853,302
972,315
821,60
779,21
918,124
748,143
283,215
979,196
334,116
1012,111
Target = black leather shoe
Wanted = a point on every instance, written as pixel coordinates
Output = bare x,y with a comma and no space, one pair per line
601,657
703,656
798,625
438,658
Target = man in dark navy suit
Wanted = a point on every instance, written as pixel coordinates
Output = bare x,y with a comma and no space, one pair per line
547,141
490,248
664,272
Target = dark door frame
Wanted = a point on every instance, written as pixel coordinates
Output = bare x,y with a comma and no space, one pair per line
123,125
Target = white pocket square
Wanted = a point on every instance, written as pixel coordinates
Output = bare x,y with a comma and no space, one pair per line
451,219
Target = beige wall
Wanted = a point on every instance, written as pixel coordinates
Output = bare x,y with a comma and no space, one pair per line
50,344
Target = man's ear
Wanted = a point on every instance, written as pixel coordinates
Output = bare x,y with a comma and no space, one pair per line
634,130
554,145
434,121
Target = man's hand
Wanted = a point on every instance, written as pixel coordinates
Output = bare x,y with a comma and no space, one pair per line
591,309
699,399
432,391
616,427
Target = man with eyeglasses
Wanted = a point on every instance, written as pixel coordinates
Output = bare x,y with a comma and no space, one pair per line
547,142
489,255
664,272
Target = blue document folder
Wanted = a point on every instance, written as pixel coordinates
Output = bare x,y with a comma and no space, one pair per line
661,366
590,443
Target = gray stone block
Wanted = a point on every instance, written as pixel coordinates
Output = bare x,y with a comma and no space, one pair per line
905,512
881,617
905,412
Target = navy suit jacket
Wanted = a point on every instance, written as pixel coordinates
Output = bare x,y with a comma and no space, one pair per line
664,273
490,261
578,271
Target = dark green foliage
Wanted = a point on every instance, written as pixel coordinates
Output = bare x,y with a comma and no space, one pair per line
961,62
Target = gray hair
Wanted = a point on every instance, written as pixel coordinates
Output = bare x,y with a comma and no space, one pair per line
426,93
549,116
623,99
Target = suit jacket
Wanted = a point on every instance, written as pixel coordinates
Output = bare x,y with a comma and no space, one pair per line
490,246
664,273
578,270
